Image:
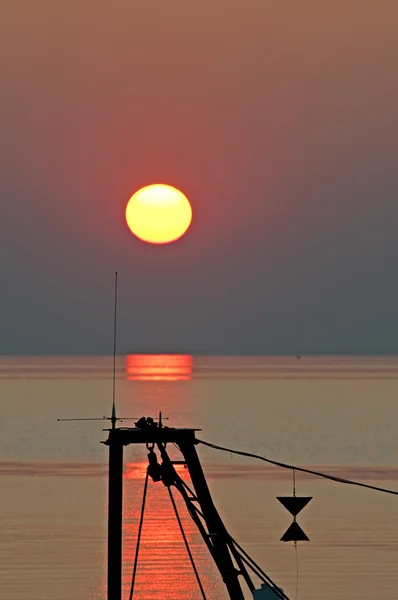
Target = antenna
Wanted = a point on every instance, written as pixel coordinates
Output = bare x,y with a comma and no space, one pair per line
113,417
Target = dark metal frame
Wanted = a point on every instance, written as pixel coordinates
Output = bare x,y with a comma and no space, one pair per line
223,549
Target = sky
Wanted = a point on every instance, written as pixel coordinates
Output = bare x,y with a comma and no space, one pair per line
278,120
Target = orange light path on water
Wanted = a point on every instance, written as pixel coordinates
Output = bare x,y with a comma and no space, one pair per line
164,570
158,367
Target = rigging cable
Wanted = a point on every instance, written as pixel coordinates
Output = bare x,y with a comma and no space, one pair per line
297,569
235,547
261,574
295,541
186,544
302,469
253,566
137,549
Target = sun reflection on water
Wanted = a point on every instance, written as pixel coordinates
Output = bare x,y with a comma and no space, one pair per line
164,570
159,367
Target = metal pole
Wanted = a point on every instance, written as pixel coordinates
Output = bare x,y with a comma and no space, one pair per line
214,523
115,508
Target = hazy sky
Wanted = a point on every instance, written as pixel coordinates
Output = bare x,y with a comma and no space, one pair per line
279,120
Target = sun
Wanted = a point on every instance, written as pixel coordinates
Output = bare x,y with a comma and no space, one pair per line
158,214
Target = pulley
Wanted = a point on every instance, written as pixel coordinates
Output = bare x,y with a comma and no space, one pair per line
167,473
153,466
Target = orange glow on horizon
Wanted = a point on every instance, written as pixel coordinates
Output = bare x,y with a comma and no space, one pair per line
158,367
158,214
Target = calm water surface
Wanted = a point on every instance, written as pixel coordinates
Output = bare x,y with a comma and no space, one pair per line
335,414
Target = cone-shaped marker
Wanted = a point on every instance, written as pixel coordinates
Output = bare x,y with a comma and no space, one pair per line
294,504
294,534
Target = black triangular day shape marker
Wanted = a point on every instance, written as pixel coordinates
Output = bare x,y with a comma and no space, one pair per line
294,534
294,504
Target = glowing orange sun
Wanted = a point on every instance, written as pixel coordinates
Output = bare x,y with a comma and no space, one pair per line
158,214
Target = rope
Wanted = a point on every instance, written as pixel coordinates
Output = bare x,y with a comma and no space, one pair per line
301,469
295,541
258,570
297,570
186,544
137,548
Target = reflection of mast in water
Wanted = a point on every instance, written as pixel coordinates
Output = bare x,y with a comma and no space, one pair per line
159,367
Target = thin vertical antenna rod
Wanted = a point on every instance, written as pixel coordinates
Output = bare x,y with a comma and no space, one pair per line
113,418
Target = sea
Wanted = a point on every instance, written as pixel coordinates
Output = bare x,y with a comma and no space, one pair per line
337,415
